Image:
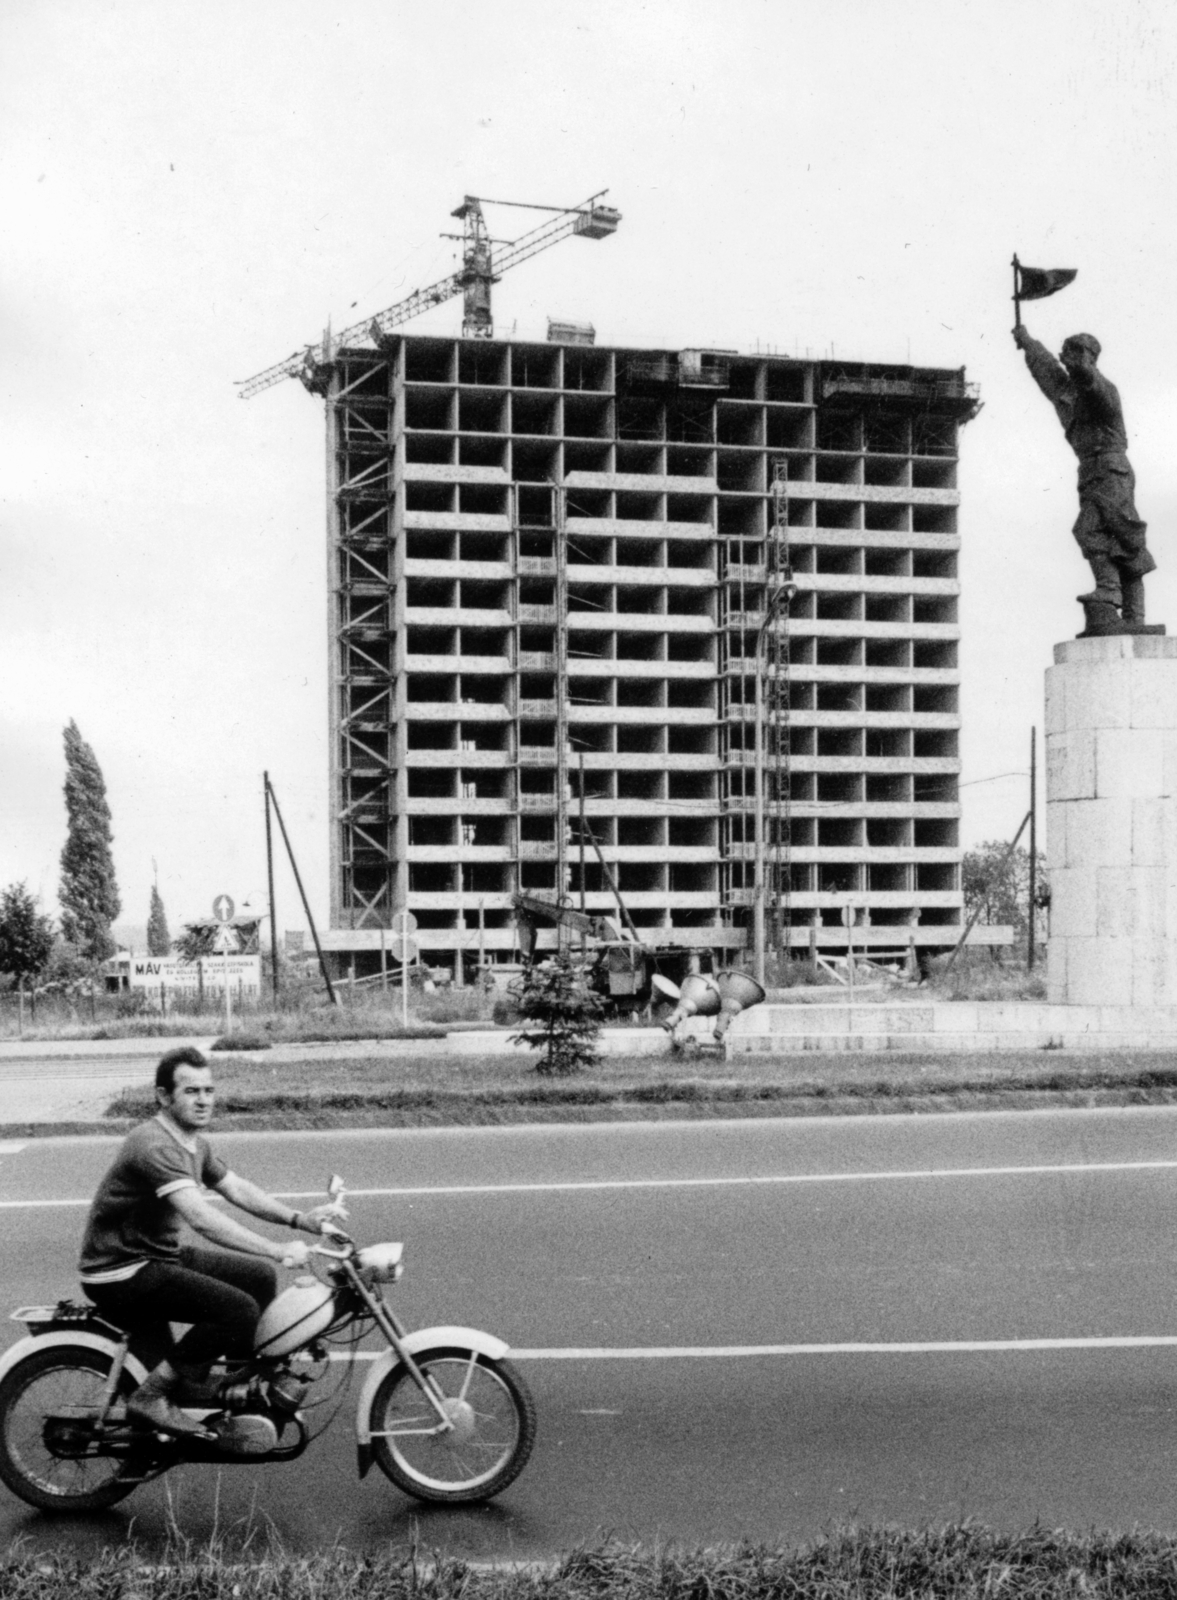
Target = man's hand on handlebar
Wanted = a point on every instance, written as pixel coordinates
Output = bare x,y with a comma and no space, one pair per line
296,1254
321,1218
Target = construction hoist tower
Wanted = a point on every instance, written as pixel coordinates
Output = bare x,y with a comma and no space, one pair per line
777,811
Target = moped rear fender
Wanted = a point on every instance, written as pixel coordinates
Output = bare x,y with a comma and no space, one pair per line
448,1338
73,1338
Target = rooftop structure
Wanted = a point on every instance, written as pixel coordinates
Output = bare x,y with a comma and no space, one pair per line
556,572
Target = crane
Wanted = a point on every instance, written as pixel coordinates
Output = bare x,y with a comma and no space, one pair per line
480,268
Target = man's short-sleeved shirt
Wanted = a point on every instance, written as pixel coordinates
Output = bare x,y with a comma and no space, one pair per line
132,1220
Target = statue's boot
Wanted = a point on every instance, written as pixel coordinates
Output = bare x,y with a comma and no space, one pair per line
1100,615
1132,605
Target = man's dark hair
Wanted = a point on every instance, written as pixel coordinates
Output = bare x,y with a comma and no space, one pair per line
187,1055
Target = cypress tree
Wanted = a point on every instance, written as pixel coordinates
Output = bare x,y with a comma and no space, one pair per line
89,895
159,940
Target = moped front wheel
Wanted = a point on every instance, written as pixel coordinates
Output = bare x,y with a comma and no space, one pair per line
490,1432
49,1453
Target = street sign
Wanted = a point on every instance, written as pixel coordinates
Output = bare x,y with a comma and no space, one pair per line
403,946
223,908
404,922
848,911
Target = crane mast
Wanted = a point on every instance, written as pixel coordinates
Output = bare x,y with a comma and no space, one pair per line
480,268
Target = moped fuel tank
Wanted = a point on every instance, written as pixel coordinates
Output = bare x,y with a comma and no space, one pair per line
299,1314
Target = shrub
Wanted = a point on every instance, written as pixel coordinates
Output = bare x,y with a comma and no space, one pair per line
241,1041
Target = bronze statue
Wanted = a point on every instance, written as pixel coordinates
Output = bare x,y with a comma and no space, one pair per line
1108,530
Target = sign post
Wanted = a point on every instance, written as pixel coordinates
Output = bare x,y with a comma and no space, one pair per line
404,946
848,911
223,909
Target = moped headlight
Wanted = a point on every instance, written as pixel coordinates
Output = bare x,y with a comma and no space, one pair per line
381,1263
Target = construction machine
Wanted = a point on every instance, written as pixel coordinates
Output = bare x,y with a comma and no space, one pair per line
620,967
632,976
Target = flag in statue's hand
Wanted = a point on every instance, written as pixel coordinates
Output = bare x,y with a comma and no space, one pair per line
1035,283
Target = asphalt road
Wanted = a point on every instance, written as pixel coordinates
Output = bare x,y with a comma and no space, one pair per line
747,1328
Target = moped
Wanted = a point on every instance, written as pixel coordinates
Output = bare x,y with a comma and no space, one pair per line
441,1411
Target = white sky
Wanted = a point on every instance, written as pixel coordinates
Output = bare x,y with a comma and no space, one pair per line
192,187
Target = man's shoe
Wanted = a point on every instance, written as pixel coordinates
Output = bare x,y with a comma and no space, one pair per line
151,1405
158,1413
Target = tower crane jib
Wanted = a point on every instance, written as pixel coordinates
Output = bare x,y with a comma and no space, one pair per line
481,267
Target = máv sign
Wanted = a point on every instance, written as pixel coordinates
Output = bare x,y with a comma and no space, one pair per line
164,972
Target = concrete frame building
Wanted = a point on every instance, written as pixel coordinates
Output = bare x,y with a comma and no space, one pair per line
557,573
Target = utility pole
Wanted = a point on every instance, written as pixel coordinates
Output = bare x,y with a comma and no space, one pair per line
583,941
305,902
1033,844
274,979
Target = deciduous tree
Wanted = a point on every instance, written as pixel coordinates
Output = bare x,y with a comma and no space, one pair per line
1001,887
26,937
89,894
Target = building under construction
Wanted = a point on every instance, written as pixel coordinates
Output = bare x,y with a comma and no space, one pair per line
559,576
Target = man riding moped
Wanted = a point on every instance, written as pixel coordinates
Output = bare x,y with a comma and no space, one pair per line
139,1274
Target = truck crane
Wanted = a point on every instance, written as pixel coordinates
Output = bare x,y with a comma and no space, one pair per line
480,268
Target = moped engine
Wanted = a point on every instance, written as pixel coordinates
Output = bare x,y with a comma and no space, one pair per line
282,1391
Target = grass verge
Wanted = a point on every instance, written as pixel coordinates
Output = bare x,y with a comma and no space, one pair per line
963,1561
430,1091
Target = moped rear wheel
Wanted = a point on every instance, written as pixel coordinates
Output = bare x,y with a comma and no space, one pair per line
486,1448
48,1455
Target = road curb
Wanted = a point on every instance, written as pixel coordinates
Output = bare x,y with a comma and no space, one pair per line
325,1120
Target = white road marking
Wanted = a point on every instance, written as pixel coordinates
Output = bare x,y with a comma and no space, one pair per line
12,1147
600,1184
728,1352
574,1185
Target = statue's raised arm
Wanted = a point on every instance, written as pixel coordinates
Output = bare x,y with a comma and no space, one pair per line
1109,532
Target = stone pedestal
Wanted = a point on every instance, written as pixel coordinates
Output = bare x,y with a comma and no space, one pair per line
1111,794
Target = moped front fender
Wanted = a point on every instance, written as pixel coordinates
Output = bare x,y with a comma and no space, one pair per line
447,1338
72,1337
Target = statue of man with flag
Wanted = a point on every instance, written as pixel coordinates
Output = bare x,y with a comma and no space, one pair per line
1108,530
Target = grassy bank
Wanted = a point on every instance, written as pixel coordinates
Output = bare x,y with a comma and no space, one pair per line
425,1091
859,1564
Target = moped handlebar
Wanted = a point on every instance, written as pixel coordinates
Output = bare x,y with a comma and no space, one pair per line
334,1255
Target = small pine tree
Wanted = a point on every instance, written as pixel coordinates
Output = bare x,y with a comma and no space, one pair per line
159,940
26,937
89,894
553,995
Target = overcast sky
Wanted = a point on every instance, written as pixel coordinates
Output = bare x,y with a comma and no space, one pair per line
191,190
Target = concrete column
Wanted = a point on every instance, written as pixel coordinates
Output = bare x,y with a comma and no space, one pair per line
1111,818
